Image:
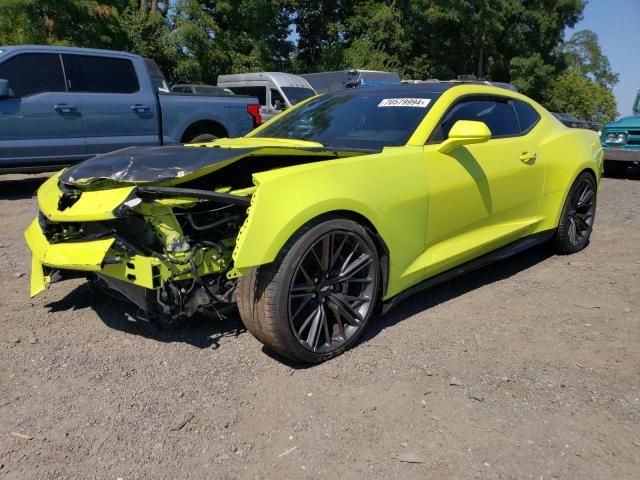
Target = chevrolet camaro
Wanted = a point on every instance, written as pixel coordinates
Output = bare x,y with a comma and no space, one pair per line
345,203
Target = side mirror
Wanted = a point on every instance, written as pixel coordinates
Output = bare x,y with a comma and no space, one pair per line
279,105
5,89
465,132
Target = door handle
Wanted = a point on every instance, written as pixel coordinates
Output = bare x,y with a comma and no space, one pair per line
528,158
140,108
65,108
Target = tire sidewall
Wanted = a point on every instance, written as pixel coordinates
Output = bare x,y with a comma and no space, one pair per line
562,237
203,138
289,265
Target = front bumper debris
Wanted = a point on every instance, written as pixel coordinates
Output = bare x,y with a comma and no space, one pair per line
82,256
166,249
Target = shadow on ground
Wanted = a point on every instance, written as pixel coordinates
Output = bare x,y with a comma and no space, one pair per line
442,293
23,187
200,331
631,173
457,287
205,332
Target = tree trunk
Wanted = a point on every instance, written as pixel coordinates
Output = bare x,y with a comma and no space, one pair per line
144,6
480,57
154,5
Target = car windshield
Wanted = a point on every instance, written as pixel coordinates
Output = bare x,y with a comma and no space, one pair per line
297,94
369,120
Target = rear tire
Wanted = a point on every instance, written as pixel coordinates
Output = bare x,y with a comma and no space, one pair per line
316,298
578,215
203,138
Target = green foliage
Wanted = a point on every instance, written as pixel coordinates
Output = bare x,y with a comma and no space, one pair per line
85,23
517,41
574,93
582,53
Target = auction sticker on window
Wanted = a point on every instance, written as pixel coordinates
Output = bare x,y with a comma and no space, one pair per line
405,102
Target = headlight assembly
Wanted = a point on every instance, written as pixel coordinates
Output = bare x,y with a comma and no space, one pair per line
616,138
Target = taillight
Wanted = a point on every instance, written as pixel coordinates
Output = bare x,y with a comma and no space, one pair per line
254,111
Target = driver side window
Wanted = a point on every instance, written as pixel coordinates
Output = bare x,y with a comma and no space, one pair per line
276,98
498,114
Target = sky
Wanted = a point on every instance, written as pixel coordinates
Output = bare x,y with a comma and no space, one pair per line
617,24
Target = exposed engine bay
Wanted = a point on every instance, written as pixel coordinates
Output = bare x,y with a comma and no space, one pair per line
166,240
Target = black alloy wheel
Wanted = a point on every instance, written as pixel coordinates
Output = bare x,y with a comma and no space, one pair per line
316,298
332,291
578,215
581,212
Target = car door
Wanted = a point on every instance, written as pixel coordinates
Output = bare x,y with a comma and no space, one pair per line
118,109
41,125
481,196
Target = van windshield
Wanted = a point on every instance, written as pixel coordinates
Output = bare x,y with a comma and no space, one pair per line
297,94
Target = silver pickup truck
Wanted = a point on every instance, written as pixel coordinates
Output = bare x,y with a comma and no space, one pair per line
61,105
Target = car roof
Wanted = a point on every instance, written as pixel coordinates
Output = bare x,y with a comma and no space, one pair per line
435,87
58,49
279,78
402,89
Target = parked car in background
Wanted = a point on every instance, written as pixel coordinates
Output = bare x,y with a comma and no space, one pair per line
325,82
569,120
275,91
61,105
572,122
621,142
197,89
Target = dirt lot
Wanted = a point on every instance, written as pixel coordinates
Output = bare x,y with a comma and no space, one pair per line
527,369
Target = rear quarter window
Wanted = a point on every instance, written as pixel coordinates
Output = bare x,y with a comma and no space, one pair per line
527,115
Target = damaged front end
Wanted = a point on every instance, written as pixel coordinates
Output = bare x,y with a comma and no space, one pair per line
157,225
167,254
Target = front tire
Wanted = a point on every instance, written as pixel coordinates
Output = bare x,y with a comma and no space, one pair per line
314,301
578,214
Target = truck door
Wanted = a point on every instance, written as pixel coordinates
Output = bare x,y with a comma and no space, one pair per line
118,103
41,125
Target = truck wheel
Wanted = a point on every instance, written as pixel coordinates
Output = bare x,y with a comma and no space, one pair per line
613,168
578,214
202,138
314,301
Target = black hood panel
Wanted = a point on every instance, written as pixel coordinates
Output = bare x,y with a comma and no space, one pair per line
148,165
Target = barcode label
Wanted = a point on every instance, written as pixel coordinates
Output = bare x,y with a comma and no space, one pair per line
405,102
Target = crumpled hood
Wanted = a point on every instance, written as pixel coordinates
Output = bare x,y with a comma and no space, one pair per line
147,165
174,164
632,121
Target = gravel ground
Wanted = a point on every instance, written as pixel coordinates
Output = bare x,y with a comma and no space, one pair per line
529,368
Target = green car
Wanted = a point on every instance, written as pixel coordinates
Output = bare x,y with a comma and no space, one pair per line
621,142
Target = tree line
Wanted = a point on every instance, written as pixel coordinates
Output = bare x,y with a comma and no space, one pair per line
516,41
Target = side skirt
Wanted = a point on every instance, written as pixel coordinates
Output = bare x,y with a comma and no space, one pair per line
500,254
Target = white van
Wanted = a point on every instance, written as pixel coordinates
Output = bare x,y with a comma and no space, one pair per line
275,91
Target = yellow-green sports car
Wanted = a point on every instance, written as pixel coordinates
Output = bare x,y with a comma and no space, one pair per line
336,206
